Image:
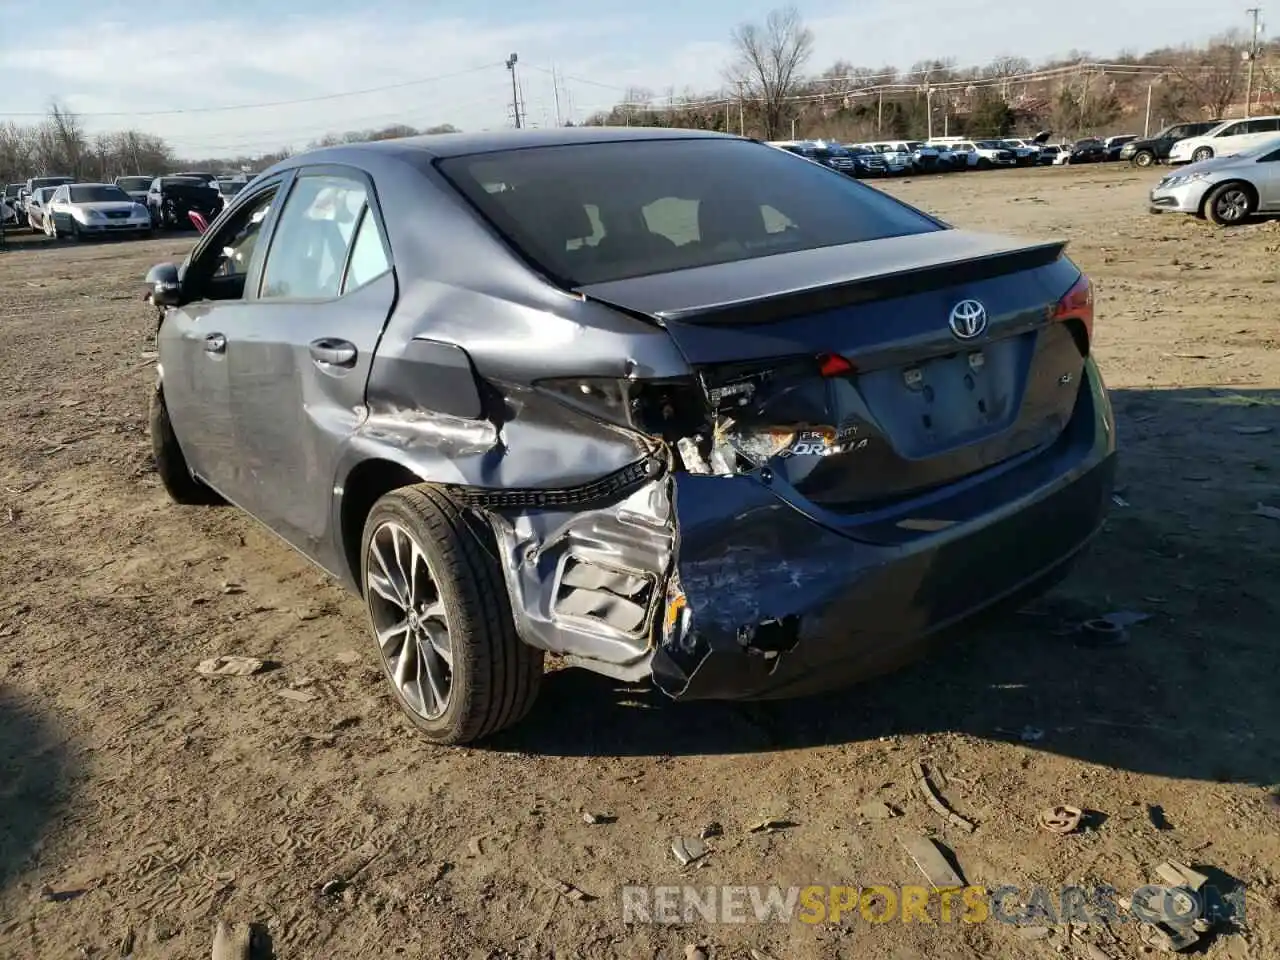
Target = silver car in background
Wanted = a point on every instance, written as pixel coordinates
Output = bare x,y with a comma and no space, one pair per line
80,210
1225,190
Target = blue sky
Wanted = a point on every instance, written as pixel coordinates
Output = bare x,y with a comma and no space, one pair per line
103,56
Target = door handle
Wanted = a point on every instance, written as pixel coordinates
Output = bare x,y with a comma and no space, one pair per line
215,343
328,352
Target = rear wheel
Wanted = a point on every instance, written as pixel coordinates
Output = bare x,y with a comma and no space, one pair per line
1229,204
1143,158
441,617
984,163
171,465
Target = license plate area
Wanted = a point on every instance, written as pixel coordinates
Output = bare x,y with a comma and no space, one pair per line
933,405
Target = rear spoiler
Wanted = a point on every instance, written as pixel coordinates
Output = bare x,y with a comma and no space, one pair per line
768,289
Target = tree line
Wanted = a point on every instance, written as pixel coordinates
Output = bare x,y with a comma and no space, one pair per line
768,93
59,145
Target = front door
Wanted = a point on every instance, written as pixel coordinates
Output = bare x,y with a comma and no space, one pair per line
193,340
299,358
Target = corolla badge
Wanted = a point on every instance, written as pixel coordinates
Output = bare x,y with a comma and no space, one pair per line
968,320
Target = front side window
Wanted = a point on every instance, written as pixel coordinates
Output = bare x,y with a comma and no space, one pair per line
666,205
1233,130
234,247
310,244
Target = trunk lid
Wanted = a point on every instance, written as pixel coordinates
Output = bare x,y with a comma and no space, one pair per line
920,404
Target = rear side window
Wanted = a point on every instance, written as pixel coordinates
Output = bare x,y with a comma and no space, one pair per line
368,256
590,213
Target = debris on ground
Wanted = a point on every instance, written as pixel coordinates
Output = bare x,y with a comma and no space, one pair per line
933,863
229,587
1155,813
597,818
232,943
694,952
1062,819
299,696
568,891
230,666
712,829
934,799
757,954
1110,628
770,825
1169,915
476,846
877,810
1177,874
688,849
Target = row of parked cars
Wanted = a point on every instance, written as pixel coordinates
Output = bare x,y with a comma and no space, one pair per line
946,154
1177,143
59,206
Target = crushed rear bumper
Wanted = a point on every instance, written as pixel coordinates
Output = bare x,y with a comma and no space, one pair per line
730,587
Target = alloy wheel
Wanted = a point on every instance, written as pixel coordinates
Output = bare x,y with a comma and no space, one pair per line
1232,205
1144,159
409,620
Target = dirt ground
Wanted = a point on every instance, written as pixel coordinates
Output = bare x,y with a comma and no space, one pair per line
140,802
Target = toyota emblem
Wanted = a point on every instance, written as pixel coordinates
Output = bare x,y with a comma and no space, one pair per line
968,320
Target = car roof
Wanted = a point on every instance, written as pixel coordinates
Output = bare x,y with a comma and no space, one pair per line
444,145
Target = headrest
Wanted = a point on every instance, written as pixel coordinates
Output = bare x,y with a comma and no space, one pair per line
552,216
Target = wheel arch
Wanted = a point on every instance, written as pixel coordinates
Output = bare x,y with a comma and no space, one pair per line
1249,188
367,482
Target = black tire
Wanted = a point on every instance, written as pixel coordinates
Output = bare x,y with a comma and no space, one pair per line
984,163
76,235
170,464
495,675
1231,203
1202,153
1143,158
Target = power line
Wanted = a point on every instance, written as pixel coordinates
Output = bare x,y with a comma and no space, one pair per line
274,103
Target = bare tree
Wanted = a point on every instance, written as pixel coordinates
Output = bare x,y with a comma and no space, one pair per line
768,62
1213,79
66,139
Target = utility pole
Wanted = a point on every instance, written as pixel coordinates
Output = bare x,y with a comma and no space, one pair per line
515,93
1252,57
555,92
880,113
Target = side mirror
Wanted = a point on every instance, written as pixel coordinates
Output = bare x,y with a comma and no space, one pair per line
164,285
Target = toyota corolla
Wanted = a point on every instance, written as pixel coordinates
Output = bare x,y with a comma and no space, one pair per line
669,405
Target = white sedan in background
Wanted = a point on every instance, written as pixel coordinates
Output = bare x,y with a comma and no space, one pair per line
80,210
35,208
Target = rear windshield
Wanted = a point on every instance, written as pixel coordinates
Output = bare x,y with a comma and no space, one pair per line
183,182
591,213
97,194
134,183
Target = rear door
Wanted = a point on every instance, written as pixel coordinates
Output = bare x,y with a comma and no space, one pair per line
299,359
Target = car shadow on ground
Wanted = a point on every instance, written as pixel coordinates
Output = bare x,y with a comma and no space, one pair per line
34,772
1188,693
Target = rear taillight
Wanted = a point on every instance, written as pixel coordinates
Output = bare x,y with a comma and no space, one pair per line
1077,304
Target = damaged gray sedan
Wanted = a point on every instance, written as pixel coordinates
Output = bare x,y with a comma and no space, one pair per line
670,405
